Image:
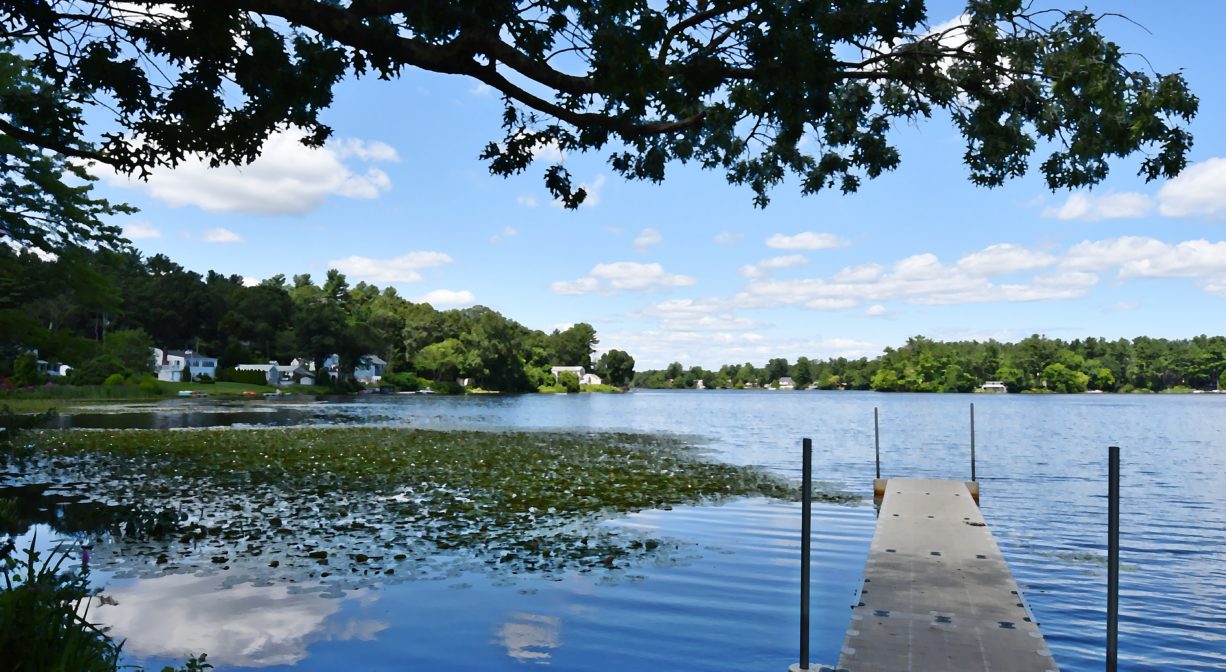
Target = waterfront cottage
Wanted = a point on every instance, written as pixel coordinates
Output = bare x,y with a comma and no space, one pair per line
170,365
579,371
369,369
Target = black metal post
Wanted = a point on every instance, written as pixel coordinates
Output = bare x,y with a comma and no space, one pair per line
806,506
1113,557
972,442
877,441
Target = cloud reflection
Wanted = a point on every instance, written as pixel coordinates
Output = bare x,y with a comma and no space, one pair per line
244,625
529,637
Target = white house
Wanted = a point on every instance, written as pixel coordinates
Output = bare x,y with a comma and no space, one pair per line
169,365
994,386
369,369
786,383
282,374
589,379
557,371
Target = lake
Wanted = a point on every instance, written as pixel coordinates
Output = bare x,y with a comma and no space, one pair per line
724,595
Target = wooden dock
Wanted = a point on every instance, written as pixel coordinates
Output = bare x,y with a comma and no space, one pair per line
937,593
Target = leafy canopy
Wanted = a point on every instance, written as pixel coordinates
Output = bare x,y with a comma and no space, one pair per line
758,90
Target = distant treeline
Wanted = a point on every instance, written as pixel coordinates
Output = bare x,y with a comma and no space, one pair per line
101,311
1036,363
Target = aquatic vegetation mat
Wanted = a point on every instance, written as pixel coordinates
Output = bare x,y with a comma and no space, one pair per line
349,505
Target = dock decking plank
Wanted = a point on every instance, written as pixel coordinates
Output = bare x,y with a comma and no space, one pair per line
937,592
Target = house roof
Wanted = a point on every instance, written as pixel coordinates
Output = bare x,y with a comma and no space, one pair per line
187,353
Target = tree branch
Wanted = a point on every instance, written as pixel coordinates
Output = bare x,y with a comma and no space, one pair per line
32,138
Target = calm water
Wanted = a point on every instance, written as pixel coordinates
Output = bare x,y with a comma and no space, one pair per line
726,598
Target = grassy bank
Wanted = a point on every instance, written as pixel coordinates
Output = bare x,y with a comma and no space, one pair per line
353,503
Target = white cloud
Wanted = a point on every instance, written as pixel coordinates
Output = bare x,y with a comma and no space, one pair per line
1141,257
287,179
922,279
1123,306
647,238
919,267
697,315
807,240
448,298
876,310
656,348
954,30
526,201
508,232
1216,286
250,281
762,268
861,273
140,231
1004,259
550,152
1100,255
223,236
622,276
593,189
1198,190
360,149
728,238
1089,207
1189,259
404,268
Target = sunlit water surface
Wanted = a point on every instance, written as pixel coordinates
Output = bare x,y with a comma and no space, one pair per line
726,598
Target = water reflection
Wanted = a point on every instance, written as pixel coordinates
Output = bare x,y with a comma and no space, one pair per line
529,638
197,413
246,625
1042,461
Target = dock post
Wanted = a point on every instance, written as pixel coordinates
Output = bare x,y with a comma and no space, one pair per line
972,442
806,507
877,441
1113,557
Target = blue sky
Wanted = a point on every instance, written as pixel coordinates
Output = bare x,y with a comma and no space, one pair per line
689,271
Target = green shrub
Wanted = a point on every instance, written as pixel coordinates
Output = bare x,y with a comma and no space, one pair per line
114,379
44,608
97,370
25,370
204,379
569,381
404,381
446,387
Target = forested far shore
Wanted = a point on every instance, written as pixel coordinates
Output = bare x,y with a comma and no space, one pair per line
1034,364
101,312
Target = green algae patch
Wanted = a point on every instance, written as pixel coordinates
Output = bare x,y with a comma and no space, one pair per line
345,504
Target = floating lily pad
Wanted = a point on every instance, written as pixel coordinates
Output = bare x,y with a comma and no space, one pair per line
369,502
